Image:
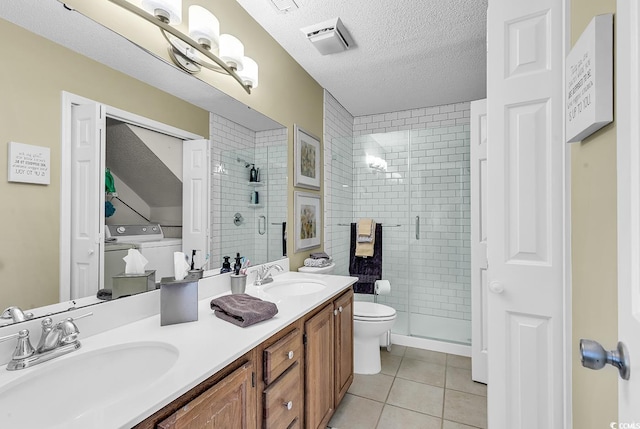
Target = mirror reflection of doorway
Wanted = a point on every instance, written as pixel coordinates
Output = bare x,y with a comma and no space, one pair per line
143,179
147,178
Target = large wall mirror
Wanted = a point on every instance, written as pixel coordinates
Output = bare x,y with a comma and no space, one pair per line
246,215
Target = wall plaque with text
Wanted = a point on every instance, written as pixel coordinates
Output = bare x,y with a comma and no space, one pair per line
29,163
589,80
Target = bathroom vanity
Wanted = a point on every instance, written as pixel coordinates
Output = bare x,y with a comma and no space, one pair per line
290,371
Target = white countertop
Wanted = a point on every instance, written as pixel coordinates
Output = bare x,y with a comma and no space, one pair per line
205,347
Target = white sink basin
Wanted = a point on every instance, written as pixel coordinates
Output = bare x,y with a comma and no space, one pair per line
285,288
58,392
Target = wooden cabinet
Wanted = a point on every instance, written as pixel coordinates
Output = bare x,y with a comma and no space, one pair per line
283,400
283,383
229,404
281,379
319,369
328,360
343,341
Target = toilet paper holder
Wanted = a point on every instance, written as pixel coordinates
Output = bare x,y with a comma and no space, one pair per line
381,287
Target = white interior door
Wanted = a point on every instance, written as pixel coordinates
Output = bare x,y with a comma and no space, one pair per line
525,217
628,141
196,198
479,291
87,214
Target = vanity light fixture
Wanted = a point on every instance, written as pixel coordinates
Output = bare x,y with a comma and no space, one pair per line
195,51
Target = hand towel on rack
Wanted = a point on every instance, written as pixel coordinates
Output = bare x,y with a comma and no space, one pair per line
366,231
368,270
366,227
365,249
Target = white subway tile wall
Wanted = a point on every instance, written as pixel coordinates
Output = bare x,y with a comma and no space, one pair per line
338,173
233,146
427,175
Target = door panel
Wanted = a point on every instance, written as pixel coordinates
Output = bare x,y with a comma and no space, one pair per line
526,214
87,217
628,163
478,137
195,199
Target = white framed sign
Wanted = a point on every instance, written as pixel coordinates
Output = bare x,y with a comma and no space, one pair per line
589,80
29,163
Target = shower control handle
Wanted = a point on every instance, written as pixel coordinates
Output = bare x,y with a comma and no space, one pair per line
496,287
417,227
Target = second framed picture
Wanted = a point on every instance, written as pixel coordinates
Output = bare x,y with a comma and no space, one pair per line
307,159
307,216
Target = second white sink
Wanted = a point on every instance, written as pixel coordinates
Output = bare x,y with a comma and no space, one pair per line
284,288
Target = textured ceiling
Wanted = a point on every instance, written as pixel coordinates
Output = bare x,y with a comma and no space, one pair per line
408,53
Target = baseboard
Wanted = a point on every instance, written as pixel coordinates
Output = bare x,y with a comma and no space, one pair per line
434,345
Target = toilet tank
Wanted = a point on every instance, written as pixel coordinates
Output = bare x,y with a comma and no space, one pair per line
329,269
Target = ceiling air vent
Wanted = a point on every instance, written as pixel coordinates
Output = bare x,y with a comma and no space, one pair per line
284,6
329,37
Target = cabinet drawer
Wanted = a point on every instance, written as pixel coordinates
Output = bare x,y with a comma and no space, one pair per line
283,400
281,355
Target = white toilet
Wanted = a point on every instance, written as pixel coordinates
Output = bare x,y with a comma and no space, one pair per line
370,322
315,270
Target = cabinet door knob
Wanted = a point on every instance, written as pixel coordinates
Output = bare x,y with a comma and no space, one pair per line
288,405
335,312
340,309
290,354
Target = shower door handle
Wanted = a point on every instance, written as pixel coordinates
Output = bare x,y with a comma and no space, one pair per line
262,225
417,227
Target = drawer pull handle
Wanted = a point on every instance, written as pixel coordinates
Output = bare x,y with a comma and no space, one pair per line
290,354
288,405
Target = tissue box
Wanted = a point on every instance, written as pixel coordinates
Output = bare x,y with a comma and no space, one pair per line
131,284
178,300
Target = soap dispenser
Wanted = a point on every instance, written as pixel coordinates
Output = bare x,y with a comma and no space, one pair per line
226,265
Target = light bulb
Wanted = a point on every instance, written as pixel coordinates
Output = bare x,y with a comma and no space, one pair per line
204,27
169,10
231,51
249,73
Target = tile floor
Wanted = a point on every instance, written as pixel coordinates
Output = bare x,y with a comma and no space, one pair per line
415,389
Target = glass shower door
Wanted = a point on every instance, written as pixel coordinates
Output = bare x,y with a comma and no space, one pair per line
381,192
439,212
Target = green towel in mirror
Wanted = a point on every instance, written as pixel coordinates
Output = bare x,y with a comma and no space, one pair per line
109,185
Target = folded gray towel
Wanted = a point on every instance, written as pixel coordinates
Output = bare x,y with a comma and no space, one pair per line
319,255
317,263
242,309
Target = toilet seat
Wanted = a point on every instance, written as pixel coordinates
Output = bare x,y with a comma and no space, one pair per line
372,312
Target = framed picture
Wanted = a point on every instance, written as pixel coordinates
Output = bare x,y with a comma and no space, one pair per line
307,220
307,159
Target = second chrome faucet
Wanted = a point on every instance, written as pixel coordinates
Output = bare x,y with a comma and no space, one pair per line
264,274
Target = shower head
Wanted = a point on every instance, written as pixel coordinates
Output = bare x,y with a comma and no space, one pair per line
246,164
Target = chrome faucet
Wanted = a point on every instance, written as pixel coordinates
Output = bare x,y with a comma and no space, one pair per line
264,274
15,314
56,340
